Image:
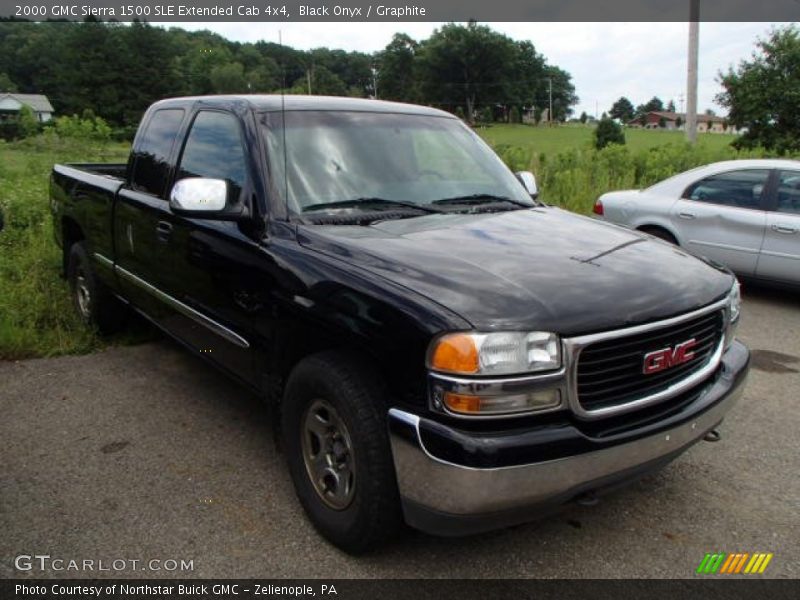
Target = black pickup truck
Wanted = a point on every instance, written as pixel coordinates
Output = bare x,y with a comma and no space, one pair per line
438,346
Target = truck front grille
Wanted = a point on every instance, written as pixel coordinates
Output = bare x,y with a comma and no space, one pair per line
611,372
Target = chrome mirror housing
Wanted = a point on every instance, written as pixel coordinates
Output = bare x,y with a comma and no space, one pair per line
528,180
199,195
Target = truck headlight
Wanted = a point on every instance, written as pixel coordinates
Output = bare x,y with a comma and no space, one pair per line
501,353
734,302
732,311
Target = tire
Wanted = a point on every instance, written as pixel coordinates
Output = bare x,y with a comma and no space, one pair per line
95,304
661,234
355,505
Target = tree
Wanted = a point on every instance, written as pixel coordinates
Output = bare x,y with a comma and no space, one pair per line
564,96
6,85
526,84
654,104
762,93
671,106
608,132
465,64
678,123
662,122
28,124
584,117
622,109
396,66
228,79
710,112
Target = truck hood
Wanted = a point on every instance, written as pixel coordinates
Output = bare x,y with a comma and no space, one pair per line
537,269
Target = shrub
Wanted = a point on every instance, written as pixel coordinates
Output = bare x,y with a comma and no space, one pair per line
28,123
88,127
608,132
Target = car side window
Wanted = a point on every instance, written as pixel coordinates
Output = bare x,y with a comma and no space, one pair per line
739,189
152,153
214,149
789,192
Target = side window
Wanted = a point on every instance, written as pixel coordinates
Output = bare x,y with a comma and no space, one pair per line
789,192
214,149
151,161
740,189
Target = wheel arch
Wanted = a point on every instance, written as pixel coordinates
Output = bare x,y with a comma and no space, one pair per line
71,232
651,225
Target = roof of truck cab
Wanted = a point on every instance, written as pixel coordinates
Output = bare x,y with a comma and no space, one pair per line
276,102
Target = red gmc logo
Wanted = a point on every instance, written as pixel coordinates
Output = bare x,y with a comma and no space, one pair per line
667,358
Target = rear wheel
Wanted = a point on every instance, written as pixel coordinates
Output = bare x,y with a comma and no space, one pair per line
333,422
661,234
95,304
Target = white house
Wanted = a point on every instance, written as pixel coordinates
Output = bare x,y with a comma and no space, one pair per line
11,103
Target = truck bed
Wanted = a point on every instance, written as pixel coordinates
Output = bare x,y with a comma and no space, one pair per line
112,170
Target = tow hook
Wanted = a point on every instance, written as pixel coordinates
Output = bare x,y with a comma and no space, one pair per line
587,499
712,436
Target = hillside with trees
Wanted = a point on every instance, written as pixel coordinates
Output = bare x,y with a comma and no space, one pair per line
115,71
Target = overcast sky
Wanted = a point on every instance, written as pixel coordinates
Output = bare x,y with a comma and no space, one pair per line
606,60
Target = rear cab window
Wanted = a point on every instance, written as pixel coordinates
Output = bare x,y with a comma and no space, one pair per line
152,153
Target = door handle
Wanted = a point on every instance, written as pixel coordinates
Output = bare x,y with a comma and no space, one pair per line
163,231
686,215
784,229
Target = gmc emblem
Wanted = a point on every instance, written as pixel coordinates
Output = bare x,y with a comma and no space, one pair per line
666,358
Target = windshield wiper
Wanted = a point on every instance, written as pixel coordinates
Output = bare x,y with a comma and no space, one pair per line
371,203
476,199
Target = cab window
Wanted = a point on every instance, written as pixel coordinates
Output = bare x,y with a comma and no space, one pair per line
739,189
214,149
789,192
151,156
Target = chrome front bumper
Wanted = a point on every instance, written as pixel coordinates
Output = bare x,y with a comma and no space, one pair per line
442,497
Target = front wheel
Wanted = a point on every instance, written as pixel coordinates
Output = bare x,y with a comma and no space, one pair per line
333,422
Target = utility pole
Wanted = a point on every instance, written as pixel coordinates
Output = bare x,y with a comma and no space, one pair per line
308,79
550,112
691,79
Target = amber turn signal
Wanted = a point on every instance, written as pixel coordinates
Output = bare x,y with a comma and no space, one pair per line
462,403
456,353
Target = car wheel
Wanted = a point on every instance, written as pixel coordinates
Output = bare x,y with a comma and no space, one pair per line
661,234
95,304
333,424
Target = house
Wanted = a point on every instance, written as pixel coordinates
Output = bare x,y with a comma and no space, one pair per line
659,119
11,104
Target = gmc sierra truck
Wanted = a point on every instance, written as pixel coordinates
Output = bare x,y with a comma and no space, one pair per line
438,346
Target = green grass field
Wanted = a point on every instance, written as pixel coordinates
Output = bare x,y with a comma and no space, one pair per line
37,318
552,140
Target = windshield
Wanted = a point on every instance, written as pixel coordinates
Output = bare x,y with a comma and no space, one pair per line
362,160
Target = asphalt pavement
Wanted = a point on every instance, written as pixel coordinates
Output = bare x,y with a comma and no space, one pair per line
145,453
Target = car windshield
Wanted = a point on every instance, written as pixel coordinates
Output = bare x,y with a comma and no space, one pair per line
341,161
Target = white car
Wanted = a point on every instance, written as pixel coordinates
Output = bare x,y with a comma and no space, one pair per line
742,213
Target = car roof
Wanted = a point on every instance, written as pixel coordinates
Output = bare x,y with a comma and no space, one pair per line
295,102
681,180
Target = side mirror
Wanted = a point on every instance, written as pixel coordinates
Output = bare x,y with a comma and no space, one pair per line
527,179
199,197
